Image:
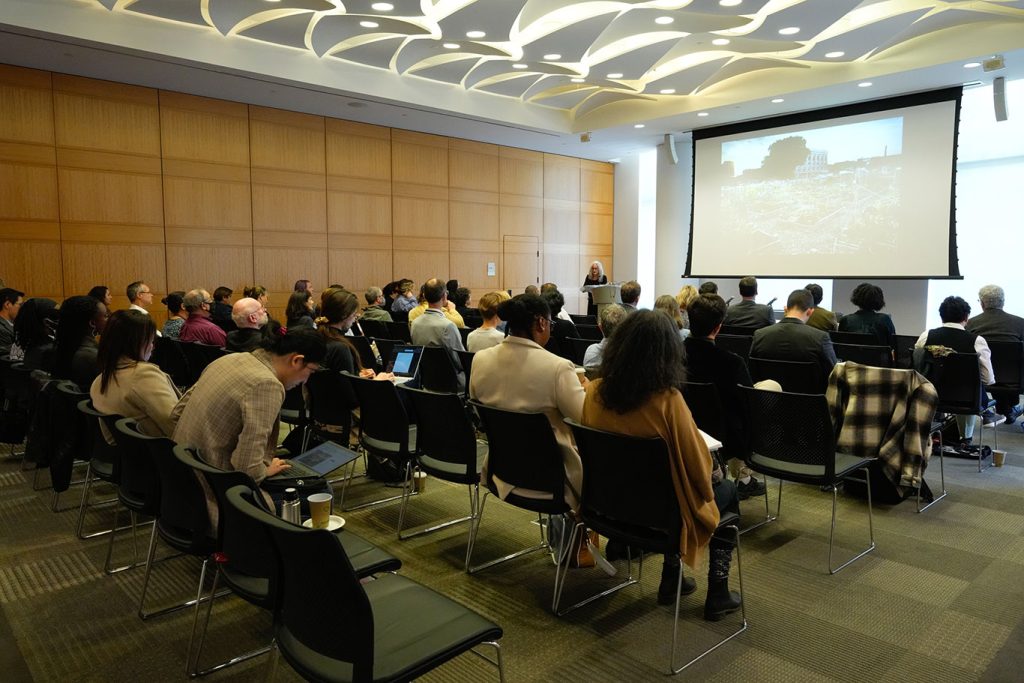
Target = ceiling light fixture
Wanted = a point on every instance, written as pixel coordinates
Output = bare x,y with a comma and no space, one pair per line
369,24
865,84
664,20
667,91
451,46
720,41
834,55
778,100
382,7
638,125
475,34
729,3
554,57
519,66
615,75
972,65
789,31
702,113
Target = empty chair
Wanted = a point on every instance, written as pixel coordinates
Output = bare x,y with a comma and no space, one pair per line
71,443
904,350
589,331
138,489
466,361
169,356
375,328
367,356
104,463
399,331
802,377
738,344
578,348
392,629
199,356
1008,366
330,404
437,371
792,439
853,338
464,334
385,346
879,356
583,319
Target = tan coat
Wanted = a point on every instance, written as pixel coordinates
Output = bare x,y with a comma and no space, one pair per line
141,391
667,415
517,374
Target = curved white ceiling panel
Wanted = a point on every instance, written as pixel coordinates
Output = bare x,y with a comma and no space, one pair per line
745,65
289,31
447,72
237,15
377,53
862,41
185,11
333,31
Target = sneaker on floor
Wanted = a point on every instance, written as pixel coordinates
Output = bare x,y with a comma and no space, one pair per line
991,419
1012,414
751,488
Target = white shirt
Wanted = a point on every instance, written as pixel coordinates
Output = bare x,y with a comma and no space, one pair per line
484,338
136,307
980,348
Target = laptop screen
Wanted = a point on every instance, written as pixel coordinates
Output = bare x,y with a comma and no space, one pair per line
405,360
326,457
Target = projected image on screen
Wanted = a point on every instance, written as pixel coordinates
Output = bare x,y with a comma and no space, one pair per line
839,183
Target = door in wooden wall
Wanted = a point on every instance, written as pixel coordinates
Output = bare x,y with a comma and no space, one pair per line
520,262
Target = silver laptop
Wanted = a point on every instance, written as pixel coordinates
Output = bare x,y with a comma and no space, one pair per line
404,362
318,461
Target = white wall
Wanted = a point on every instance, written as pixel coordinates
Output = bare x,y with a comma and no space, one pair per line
672,228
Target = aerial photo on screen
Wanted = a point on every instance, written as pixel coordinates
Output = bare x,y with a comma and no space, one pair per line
833,190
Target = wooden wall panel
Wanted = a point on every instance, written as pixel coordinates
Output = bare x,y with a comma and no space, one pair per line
109,181
597,192
562,226
289,202
521,216
419,167
474,216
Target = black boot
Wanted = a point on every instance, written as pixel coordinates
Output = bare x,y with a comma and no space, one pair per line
720,601
670,581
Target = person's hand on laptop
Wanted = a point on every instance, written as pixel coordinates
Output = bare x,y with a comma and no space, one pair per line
367,372
277,465
388,376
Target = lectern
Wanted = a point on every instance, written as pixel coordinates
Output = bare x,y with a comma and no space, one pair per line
604,295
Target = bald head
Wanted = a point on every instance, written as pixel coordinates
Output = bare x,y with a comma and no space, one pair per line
248,313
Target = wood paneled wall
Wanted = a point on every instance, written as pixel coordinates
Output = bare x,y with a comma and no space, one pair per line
105,183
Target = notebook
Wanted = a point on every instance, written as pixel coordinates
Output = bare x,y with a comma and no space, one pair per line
404,362
318,461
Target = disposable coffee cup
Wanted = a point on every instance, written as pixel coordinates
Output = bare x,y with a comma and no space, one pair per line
998,457
320,509
420,479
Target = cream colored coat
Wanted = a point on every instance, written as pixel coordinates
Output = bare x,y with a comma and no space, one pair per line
142,391
517,374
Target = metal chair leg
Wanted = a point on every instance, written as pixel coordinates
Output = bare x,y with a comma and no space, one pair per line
768,517
942,478
832,529
442,525
562,572
496,662
195,612
476,530
275,657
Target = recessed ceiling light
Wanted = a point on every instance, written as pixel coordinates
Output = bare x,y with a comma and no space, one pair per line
451,46
667,91
369,24
475,34
834,55
720,41
382,6
638,125
972,65
664,20
702,113
729,3
615,75
554,57
778,100
865,84
577,80
519,66
789,30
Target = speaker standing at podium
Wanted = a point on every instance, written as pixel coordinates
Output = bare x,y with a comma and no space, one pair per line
595,276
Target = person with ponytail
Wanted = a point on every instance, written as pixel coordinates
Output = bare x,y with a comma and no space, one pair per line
339,309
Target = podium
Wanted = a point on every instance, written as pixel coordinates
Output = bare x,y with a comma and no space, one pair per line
604,295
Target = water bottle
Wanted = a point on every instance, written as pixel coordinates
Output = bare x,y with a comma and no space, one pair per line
290,510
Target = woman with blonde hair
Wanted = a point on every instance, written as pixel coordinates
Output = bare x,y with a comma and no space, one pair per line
686,294
666,303
595,276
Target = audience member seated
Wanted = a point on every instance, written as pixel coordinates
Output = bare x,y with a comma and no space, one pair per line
33,334
375,305
259,292
102,293
686,294
747,312
405,301
561,329
390,291
637,395
175,319
954,313
630,295
128,384
231,413
708,287
299,312
10,303
995,325
609,318
461,301
519,374
199,327
340,309
793,339
561,313
667,304
250,318
448,309
433,328
81,319
488,334
220,309
706,362
595,276
869,300
532,289
822,318
140,296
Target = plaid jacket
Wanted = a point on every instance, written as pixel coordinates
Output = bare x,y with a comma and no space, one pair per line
883,412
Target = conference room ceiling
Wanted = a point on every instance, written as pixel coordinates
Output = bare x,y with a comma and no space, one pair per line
542,70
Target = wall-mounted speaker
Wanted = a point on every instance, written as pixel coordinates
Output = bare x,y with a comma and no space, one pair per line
999,97
670,147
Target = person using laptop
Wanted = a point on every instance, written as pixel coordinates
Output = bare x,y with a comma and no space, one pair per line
231,413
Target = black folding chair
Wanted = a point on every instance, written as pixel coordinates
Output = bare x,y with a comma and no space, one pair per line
878,356
399,331
169,355
199,356
72,439
854,338
1008,366
330,404
592,332
738,344
104,464
437,371
904,350
801,377
738,330
138,490
578,348
375,328
367,357
466,361
583,319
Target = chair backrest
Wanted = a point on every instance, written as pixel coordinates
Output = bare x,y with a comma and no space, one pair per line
473,319
790,427
316,583
140,479
466,361
626,478
381,413
170,357
365,351
738,330
294,406
522,450
385,346
199,356
860,338
18,395
957,380
399,331
182,499
878,356
738,344
464,333
706,407
331,399
583,319
1008,362
72,435
586,331
578,348
437,372
904,347
100,449
374,328
443,430
802,377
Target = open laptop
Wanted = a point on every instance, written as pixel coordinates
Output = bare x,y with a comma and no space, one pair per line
404,362
318,461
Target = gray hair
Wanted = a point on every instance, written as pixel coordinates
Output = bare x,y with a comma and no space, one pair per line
600,269
372,294
992,296
195,299
611,316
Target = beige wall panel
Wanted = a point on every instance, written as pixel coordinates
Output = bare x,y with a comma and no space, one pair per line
337,183
278,268
103,233
26,105
33,267
199,203
28,192
109,117
561,178
114,265
200,238
361,242
191,267
473,166
359,152
474,221
108,161
420,217
288,209
597,182
286,140
521,220
419,159
595,228
561,266
101,197
420,265
358,269
521,172
470,269
561,225
30,153
358,213
29,230
199,135
520,263
420,191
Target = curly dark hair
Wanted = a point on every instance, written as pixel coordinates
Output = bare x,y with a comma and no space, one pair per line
555,301
30,327
75,323
954,309
520,313
868,297
643,357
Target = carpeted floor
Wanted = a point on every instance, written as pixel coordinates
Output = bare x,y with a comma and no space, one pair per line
941,599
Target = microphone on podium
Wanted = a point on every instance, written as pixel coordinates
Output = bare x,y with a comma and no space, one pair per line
729,300
769,304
